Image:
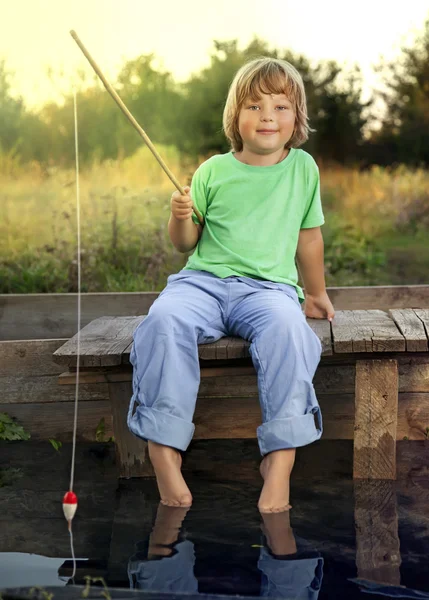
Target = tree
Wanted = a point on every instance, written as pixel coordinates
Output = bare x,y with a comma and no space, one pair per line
335,109
404,134
11,114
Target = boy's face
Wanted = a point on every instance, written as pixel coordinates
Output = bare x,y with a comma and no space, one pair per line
267,124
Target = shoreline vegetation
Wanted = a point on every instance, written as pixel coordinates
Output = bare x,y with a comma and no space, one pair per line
375,232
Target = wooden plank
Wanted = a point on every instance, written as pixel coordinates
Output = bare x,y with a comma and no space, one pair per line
132,452
322,328
413,416
423,315
102,342
378,556
46,388
379,297
230,381
27,358
412,329
366,331
214,416
107,342
55,420
375,419
36,316
28,374
413,466
413,373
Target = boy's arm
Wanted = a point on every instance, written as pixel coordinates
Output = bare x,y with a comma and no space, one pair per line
184,234
310,260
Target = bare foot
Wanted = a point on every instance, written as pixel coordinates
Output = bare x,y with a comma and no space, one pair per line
276,468
172,487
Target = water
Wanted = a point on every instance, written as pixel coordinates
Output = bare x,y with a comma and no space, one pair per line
339,536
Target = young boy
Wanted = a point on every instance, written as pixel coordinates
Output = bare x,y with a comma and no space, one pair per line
262,210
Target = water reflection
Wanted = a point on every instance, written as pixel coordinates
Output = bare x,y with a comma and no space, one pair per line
378,555
289,566
373,536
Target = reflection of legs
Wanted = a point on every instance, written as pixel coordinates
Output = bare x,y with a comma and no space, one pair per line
299,577
166,374
279,534
169,566
285,352
166,530
288,571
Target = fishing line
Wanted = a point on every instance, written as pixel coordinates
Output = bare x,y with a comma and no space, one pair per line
70,498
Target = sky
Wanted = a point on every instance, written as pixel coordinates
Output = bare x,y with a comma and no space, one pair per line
34,34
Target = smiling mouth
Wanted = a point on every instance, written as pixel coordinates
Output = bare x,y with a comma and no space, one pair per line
266,131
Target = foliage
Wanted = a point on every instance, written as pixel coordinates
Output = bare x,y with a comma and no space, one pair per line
10,430
333,102
56,444
373,234
100,432
42,593
9,475
88,580
188,114
404,135
11,114
350,256
125,242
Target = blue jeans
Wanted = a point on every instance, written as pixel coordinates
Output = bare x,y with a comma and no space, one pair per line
299,578
197,307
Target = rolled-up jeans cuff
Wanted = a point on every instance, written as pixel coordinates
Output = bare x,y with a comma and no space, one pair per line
291,432
151,424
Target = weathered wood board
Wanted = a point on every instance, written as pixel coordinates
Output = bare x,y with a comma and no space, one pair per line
366,331
102,342
54,420
412,328
375,419
107,342
38,316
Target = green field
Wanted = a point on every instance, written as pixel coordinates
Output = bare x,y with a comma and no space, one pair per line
376,230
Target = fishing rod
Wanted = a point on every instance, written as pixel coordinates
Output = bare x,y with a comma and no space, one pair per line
132,120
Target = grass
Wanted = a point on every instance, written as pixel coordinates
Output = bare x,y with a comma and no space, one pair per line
376,226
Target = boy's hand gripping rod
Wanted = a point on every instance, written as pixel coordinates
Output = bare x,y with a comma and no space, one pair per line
132,120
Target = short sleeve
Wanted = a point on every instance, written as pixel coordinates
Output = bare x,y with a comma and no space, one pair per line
199,193
313,215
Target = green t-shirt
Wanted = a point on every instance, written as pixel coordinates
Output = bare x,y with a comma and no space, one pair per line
253,216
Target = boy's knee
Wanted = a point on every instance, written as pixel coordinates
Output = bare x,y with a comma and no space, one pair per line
282,326
165,318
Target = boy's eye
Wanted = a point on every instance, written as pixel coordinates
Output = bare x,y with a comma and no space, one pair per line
252,106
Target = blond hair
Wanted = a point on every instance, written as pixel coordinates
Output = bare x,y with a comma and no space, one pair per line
266,75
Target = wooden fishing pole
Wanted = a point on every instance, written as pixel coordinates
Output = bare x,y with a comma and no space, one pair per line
132,120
